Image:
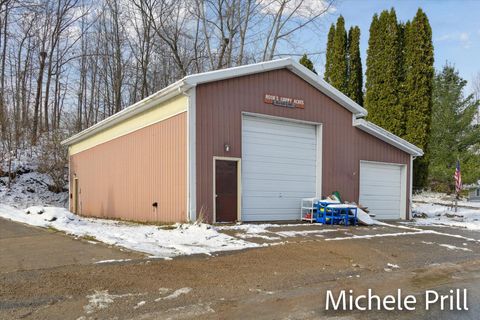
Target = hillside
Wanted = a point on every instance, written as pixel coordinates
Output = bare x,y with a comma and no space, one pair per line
28,186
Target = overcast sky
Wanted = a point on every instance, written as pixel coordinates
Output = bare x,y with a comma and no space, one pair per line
455,27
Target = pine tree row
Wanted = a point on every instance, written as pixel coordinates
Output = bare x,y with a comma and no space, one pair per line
343,68
399,76
399,81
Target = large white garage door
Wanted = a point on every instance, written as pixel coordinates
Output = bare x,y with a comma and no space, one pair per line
278,168
381,189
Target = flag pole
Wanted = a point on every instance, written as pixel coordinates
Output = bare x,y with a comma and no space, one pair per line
458,178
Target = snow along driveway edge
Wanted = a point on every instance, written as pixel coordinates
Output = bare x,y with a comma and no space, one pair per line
183,239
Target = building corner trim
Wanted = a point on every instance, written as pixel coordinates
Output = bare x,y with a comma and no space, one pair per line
191,156
410,205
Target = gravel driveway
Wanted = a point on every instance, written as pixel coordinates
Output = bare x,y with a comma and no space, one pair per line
287,279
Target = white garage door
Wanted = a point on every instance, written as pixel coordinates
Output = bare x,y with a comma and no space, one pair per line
381,189
278,168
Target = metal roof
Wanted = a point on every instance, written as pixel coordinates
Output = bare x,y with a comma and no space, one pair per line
182,86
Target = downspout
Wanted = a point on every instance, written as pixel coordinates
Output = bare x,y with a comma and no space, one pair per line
412,157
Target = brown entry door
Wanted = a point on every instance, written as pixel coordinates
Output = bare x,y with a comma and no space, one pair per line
226,197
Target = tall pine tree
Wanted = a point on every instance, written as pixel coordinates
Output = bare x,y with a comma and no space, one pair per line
355,74
329,54
307,63
453,132
339,68
418,85
384,73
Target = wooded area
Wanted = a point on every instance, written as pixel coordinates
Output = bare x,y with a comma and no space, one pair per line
67,64
71,63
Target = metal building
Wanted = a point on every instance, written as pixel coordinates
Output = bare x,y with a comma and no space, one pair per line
244,143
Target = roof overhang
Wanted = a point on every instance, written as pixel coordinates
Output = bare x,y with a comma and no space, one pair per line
387,136
188,82
143,105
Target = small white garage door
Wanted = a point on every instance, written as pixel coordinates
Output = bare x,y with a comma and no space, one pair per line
381,189
278,168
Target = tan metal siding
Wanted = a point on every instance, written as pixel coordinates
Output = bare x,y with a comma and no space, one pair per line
219,113
123,177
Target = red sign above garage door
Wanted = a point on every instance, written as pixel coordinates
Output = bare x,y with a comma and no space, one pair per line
284,101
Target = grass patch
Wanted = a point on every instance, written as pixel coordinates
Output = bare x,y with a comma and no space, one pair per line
168,227
89,238
52,229
165,225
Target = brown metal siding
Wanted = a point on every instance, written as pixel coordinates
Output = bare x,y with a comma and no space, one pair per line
219,112
123,177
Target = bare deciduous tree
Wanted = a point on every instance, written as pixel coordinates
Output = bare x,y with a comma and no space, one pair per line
67,64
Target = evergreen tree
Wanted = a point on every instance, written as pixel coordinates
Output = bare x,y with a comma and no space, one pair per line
329,54
307,63
355,75
373,72
417,95
384,73
453,132
339,68
402,90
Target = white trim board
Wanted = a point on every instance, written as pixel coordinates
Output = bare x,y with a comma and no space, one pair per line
319,166
191,156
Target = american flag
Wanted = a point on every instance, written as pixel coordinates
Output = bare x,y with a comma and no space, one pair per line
458,178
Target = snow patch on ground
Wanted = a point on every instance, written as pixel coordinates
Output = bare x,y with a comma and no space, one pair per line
101,299
390,267
428,242
175,294
112,261
440,215
138,305
29,187
261,291
381,235
442,199
183,239
451,247
266,231
252,231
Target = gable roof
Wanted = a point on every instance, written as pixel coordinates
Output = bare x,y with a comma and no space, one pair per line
288,63
190,81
